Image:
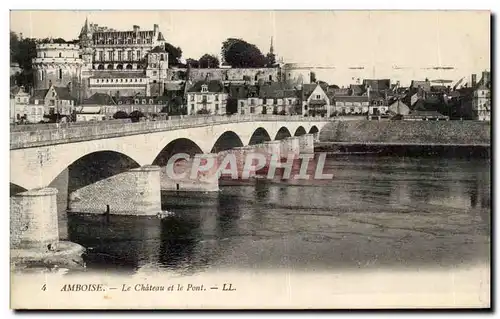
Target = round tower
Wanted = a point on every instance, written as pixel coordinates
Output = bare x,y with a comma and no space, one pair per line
296,74
57,64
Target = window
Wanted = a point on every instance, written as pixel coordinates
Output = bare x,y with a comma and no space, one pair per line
101,56
60,54
242,104
318,96
153,65
107,80
290,101
138,55
136,101
204,99
97,81
110,54
42,75
216,107
161,57
60,74
204,88
264,101
143,101
53,94
120,55
155,73
192,107
121,80
192,98
135,80
275,101
252,110
150,101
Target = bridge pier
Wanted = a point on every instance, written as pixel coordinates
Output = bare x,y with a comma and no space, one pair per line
135,192
306,142
290,146
182,180
34,229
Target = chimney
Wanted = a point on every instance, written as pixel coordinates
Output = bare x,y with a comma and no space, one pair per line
473,80
156,28
136,28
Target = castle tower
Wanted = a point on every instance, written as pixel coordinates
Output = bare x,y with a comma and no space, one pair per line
58,64
156,70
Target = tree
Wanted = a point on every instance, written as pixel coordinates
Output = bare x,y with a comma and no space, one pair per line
208,61
120,115
193,63
22,52
14,46
313,77
174,54
270,60
231,106
56,40
241,54
136,115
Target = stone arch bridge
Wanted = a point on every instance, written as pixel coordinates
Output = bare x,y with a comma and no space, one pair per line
103,155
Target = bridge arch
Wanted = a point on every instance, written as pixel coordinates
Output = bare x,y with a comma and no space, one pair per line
179,145
260,135
314,129
51,161
97,166
282,133
226,140
300,131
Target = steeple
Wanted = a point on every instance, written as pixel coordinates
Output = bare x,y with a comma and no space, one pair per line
271,49
85,29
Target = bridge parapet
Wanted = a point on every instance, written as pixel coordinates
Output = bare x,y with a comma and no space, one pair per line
69,134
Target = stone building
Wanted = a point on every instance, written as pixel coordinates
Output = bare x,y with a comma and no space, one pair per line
58,64
481,100
118,63
55,100
206,97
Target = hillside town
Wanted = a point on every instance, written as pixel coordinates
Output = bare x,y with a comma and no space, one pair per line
107,74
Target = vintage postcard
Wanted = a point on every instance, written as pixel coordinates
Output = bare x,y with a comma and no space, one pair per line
250,159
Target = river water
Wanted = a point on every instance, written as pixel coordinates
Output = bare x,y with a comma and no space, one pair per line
376,213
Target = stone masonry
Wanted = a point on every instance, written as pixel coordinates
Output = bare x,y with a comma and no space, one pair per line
135,192
34,219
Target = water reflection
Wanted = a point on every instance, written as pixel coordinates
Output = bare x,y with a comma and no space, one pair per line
375,212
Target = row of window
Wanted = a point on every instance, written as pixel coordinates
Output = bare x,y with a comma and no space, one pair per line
351,103
142,101
216,108
120,80
100,56
123,41
59,74
59,55
204,97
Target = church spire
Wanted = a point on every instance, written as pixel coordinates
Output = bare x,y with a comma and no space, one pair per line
85,28
271,49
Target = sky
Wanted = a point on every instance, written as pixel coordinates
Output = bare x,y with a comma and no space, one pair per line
375,40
